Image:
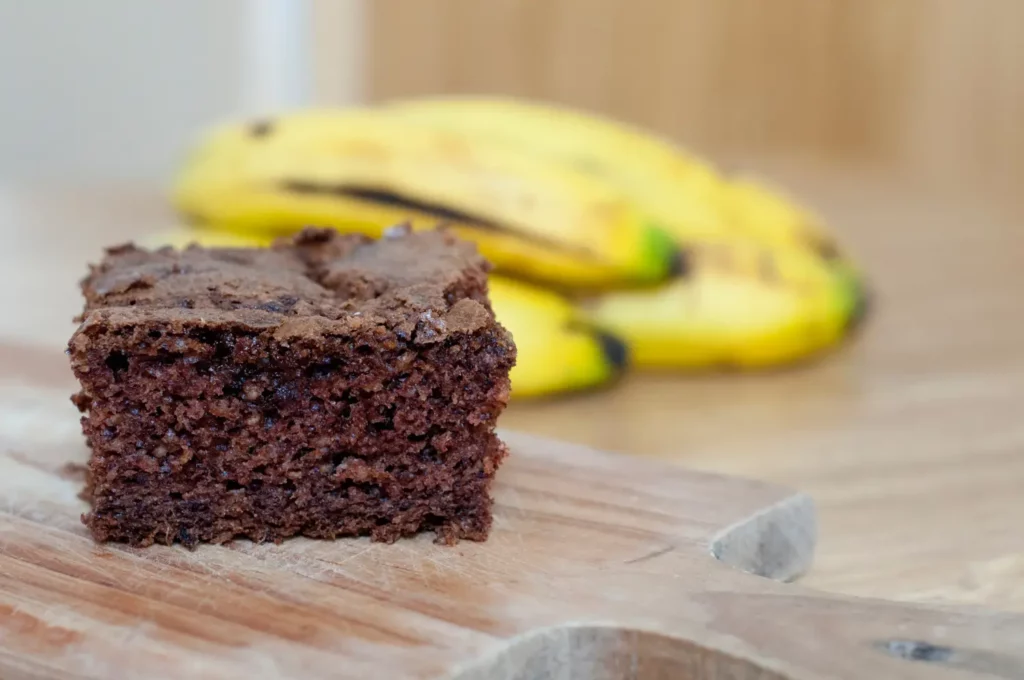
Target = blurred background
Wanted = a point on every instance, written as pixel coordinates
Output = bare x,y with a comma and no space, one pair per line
900,122
114,89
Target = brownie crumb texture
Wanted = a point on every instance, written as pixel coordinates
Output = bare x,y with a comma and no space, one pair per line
328,386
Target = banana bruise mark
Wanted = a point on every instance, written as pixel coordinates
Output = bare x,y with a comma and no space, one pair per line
826,248
261,128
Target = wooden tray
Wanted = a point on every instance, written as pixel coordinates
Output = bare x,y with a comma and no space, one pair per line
599,566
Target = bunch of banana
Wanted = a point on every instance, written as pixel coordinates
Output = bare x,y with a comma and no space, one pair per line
690,268
556,351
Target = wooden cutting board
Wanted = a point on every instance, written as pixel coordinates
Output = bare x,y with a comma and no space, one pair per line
599,566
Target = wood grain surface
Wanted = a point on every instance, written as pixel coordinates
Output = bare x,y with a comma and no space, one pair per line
909,440
598,567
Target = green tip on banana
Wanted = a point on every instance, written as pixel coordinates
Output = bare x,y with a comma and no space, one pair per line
859,300
664,250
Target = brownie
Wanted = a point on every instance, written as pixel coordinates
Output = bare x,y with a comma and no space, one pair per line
327,386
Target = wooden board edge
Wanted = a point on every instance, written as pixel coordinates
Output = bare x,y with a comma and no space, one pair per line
776,542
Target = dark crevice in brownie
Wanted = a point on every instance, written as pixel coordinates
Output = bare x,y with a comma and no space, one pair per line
310,410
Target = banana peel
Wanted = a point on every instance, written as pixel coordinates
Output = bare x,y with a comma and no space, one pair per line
740,305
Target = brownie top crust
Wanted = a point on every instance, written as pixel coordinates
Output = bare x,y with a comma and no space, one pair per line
421,286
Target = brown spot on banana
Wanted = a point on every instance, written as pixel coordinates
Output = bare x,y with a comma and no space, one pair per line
261,128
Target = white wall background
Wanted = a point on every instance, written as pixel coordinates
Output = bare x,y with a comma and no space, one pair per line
114,90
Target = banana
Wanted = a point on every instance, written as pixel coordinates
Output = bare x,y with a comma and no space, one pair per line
764,212
681,192
740,304
559,197
556,352
359,170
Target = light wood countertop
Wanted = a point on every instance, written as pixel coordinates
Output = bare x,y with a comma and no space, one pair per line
911,439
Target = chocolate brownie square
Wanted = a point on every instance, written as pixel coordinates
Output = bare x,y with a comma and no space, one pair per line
327,386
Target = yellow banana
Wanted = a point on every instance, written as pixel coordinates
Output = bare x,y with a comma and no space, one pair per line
681,192
359,170
764,212
555,352
740,304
